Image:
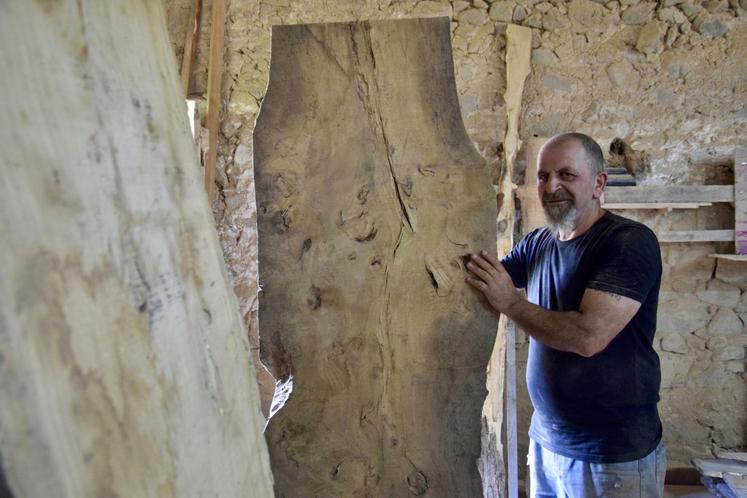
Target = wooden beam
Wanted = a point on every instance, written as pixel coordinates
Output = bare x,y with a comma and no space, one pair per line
532,214
697,236
190,46
730,257
669,193
740,200
656,205
518,61
215,73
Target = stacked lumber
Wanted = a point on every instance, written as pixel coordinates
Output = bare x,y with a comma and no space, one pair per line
724,477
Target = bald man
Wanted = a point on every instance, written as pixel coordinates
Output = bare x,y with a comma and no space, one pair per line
592,284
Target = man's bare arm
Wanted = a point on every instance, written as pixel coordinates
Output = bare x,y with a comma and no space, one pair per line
601,315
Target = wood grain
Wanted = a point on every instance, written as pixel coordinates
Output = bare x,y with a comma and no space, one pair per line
124,364
215,76
369,195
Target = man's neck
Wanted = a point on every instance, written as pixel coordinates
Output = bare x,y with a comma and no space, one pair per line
582,224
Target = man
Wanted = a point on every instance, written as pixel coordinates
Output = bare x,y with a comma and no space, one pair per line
592,284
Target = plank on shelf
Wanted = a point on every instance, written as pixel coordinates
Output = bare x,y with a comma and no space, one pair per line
737,484
669,193
656,205
717,467
697,236
740,200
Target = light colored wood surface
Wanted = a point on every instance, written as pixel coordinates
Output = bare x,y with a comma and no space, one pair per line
518,57
730,257
124,362
668,193
740,200
737,484
369,194
190,46
696,236
215,76
532,215
656,205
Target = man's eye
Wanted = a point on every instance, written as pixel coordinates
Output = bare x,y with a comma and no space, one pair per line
541,178
567,176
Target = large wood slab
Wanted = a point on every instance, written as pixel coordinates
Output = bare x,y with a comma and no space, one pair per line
369,194
124,364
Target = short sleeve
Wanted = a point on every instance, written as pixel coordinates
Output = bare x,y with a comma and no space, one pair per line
628,263
515,263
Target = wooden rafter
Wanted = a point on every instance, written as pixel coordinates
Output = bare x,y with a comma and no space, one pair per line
215,72
190,46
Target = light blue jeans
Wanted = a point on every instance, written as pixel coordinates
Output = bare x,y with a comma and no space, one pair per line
555,476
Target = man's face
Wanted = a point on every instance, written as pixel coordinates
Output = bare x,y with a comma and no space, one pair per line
565,184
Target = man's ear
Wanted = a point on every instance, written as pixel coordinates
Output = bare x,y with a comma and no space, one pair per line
599,184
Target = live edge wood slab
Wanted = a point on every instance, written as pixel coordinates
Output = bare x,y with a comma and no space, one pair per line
369,195
124,363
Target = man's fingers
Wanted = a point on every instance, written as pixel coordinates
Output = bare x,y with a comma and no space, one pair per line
491,259
483,274
477,284
483,263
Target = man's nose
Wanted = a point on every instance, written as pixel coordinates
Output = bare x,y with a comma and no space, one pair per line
553,184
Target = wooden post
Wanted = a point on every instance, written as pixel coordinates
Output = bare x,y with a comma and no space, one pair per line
518,58
215,73
740,200
190,46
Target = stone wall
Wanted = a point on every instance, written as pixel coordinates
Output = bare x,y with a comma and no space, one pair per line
667,78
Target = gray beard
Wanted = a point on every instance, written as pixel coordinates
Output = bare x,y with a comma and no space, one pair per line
560,219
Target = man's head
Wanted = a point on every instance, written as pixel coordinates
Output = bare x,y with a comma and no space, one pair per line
570,180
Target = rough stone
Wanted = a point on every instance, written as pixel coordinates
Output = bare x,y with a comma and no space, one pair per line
726,322
459,5
473,16
555,20
714,6
676,64
520,13
502,11
638,14
557,82
242,156
543,7
671,15
544,57
681,313
533,21
588,16
428,8
691,10
709,26
735,366
480,4
623,75
649,40
732,272
731,353
719,293
674,343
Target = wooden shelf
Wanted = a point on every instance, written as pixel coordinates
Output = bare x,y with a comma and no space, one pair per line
730,257
692,197
656,205
697,236
644,196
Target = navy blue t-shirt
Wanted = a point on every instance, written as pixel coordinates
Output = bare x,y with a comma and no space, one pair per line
600,409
